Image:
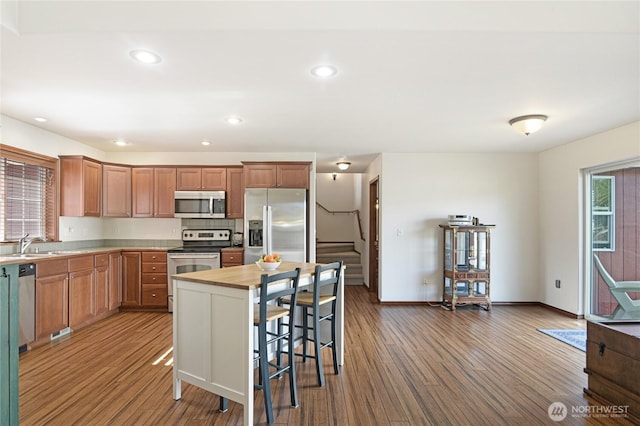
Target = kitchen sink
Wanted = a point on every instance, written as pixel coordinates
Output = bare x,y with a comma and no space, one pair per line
28,255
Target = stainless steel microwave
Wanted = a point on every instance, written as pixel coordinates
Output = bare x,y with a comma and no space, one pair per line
200,204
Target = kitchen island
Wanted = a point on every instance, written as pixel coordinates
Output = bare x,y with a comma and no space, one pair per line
213,332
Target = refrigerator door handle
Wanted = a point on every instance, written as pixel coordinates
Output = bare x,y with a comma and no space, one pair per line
269,245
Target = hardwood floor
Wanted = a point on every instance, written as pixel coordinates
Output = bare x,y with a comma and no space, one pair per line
404,365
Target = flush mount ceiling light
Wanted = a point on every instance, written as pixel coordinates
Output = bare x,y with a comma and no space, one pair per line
205,143
324,71
145,56
234,120
40,119
120,142
343,165
527,124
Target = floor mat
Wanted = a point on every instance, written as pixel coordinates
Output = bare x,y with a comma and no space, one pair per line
575,338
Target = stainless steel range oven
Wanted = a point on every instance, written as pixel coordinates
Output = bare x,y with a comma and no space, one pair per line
200,251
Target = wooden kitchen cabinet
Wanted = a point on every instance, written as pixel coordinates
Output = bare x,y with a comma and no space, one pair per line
131,279
201,179
152,191
276,175
232,256
116,191
164,183
80,186
154,279
101,272
52,297
142,192
235,193
115,280
82,293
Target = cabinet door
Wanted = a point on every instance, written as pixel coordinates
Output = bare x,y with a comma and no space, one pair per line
131,279
259,175
102,289
115,289
293,176
116,191
92,187
164,191
52,309
81,297
214,179
142,191
235,193
188,179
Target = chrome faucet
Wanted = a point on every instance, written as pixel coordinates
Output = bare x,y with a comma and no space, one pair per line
25,242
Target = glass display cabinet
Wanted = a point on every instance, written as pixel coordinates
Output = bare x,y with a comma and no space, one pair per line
467,265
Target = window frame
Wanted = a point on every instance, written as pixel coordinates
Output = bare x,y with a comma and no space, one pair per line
608,213
35,159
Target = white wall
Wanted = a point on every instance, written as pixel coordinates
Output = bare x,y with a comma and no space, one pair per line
419,191
562,212
342,194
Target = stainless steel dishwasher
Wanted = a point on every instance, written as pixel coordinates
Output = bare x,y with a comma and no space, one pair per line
27,304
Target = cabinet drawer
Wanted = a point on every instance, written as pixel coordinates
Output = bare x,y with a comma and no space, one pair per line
154,295
235,257
154,268
101,260
80,263
154,256
154,279
51,267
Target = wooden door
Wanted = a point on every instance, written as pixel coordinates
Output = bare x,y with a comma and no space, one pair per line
116,191
235,193
142,191
131,279
214,179
92,187
374,256
102,283
259,175
81,297
52,309
115,289
292,175
188,179
164,184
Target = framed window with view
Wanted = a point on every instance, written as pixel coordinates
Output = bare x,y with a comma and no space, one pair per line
603,212
28,195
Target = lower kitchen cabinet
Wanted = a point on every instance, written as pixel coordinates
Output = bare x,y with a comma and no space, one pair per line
101,274
82,295
131,279
232,256
52,297
115,280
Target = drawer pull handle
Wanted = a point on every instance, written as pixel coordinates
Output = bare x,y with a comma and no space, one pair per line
153,295
601,349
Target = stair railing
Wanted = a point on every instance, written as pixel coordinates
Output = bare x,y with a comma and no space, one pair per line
356,212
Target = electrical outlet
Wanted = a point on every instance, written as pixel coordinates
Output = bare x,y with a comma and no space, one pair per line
425,282
557,283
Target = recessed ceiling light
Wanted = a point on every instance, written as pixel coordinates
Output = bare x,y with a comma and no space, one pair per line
324,71
120,142
205,143
234,119
145,56
41,119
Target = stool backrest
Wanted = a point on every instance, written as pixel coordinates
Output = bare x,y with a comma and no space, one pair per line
332,279
287,286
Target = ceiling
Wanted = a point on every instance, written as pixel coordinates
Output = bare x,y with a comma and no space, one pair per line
416,76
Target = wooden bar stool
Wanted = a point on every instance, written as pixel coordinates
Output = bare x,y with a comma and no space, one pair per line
324,291
270,310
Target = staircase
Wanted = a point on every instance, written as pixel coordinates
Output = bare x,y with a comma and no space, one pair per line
333,252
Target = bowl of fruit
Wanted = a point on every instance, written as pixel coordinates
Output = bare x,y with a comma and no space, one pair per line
269,262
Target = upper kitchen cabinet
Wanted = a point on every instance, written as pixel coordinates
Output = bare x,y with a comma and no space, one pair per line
276,175
80,186
235,193
153,191
116,191
201,179
164,182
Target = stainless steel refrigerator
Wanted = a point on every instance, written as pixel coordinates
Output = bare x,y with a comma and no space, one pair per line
275,221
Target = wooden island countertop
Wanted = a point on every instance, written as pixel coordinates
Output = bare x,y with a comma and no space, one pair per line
243,277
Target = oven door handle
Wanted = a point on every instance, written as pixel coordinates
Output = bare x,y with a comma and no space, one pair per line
211,206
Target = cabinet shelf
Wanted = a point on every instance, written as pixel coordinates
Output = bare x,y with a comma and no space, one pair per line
466,265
